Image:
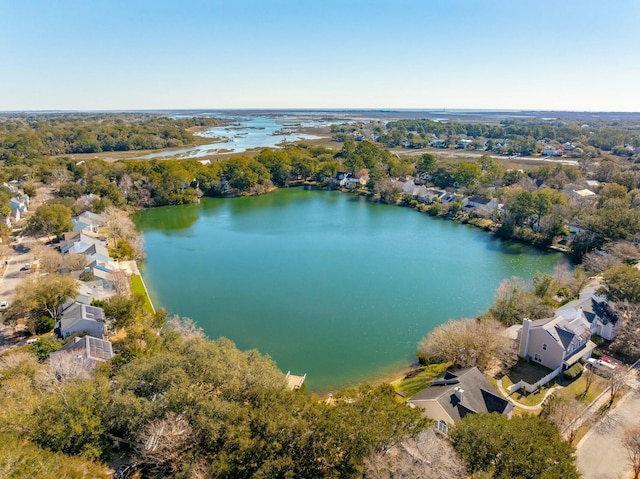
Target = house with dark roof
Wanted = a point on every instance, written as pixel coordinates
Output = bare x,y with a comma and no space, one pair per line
458,393
81,318
87,349
558,342
597,311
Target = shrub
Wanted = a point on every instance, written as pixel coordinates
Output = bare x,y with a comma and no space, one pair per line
574,371
44,324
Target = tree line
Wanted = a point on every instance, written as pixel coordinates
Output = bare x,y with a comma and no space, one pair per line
607,136
93,133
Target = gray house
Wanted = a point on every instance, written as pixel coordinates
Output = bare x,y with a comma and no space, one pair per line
87,349
81,318
458,393
557,343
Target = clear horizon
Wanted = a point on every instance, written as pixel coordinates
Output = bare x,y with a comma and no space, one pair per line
331,55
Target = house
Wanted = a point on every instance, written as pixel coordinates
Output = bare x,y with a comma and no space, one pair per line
19,205
81,318
584,193
480,201
6,220
458,393
357,180
601,317
433,194
558,342
436,142
86,349
463,143
88,221
551,150
568,147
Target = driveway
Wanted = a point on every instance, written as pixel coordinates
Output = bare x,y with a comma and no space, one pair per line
600,453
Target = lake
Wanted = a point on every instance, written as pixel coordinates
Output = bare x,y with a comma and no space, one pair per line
325,283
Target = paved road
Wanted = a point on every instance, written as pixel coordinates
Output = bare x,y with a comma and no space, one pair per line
13,276
600,453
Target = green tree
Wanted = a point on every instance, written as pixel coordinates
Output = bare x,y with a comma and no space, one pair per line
465,174
51,219
622,283
525,447
43,295
426,164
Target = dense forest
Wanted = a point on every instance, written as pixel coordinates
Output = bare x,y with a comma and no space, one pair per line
55,134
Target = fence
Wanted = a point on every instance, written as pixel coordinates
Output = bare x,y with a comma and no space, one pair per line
533,387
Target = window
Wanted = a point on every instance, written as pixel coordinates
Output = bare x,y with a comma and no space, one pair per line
537,357
544,347
442,427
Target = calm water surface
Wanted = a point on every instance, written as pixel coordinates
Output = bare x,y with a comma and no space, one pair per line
245,133
325,283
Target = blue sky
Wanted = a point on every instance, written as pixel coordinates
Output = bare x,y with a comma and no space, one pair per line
139,54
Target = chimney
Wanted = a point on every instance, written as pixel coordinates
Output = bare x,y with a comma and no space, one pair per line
523,350
459,392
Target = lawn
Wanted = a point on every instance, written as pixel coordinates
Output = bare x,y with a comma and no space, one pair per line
576,389
535,398
137,287
529,371
412,385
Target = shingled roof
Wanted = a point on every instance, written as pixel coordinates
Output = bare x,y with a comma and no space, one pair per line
478,395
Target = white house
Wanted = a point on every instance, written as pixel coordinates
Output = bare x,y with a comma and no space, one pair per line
551,150
597,311
19,205
88,221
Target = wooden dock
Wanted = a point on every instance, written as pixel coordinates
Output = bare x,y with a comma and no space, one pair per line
295,382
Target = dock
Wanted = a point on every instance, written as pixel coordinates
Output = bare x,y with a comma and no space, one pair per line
295,382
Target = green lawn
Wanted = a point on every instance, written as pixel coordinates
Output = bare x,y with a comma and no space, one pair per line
421,380
137,287
535,398
576,389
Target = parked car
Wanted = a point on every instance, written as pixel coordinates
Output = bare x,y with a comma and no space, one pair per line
124,471
26,267
32,340
4,304
602,367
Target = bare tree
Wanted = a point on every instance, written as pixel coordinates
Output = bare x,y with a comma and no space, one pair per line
120,227
631,441
469,342
66,365
623,250
164,444
74,261
597,263
185,327
49,259
627,340
120,282
617,383
427,456
588,380
564,413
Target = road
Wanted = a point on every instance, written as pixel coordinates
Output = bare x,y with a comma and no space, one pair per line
13,275
600,453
